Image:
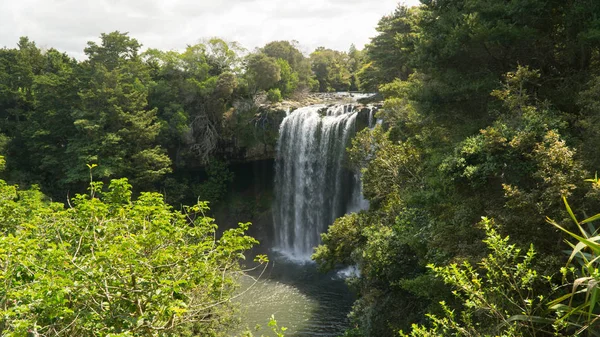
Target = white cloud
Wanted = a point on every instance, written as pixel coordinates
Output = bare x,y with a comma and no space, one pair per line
172,24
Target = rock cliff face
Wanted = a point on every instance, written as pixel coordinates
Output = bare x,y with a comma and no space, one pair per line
249,199
255,138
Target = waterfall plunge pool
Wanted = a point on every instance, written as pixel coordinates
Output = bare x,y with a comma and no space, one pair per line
302,299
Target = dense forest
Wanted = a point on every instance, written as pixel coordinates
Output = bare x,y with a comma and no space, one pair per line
481,177
490,111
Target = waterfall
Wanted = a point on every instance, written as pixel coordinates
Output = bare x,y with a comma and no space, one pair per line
312,185
357,201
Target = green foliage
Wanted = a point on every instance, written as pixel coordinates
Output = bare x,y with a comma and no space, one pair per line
253,128
192,91
388,52
275,328
274,95
489,111
503,296
263,72
524,152
578,310
587,120
115,112
491,108
278,65
223,56
331,69
289,79
110,265
339,242
142,115
216,185
285,50
296,74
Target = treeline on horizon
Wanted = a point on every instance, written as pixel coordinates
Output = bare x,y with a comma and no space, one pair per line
167,120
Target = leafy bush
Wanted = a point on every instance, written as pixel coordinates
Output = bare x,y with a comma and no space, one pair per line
505,296
110,265
274,95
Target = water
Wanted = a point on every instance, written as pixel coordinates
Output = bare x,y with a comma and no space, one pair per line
357,201
313,186
308,303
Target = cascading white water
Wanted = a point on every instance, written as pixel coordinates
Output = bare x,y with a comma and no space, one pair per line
312,186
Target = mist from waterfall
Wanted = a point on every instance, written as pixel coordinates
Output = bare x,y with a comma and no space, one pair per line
313,186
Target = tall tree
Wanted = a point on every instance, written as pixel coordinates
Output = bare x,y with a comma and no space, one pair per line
115,127
389,53
50,126
490,110
18,69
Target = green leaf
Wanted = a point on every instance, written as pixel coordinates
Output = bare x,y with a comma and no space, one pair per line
590,219
526,318
573,216
592,245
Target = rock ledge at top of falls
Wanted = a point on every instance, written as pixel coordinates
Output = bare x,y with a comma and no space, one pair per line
266,148
327,98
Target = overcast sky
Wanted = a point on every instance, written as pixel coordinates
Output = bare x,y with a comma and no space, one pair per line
172,24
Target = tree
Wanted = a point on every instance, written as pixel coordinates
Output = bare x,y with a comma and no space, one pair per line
18,68
356,60
284,50
222,56
49,128
116,50
116,128
192,90
262,72
299,64
331,69
491,106
389,53
289,78
502,296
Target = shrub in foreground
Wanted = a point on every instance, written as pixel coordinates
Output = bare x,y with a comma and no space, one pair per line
108,265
